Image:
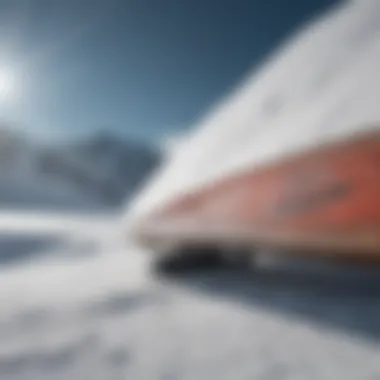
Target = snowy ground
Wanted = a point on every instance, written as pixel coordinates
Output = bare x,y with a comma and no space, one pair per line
79,302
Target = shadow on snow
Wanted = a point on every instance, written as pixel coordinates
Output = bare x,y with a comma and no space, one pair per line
342,297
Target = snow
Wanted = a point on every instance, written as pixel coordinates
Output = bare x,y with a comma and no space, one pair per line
81,303
319,86
74,174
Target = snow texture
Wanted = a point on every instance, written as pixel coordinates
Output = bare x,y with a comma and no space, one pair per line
78,302
320,86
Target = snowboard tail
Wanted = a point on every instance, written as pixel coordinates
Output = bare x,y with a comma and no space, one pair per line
324,199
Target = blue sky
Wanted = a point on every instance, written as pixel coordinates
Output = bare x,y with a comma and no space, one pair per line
144,68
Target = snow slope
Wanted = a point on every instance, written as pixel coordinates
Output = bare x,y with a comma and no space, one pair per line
77,303
322,84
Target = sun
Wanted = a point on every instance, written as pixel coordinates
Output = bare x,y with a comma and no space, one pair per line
7,84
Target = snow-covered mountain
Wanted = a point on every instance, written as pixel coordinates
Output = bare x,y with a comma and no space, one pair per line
100,169
103,164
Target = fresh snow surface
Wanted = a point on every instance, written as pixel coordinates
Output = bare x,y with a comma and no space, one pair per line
321,85
80,302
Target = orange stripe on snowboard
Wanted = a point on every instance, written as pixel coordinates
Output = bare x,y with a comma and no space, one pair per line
330,192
